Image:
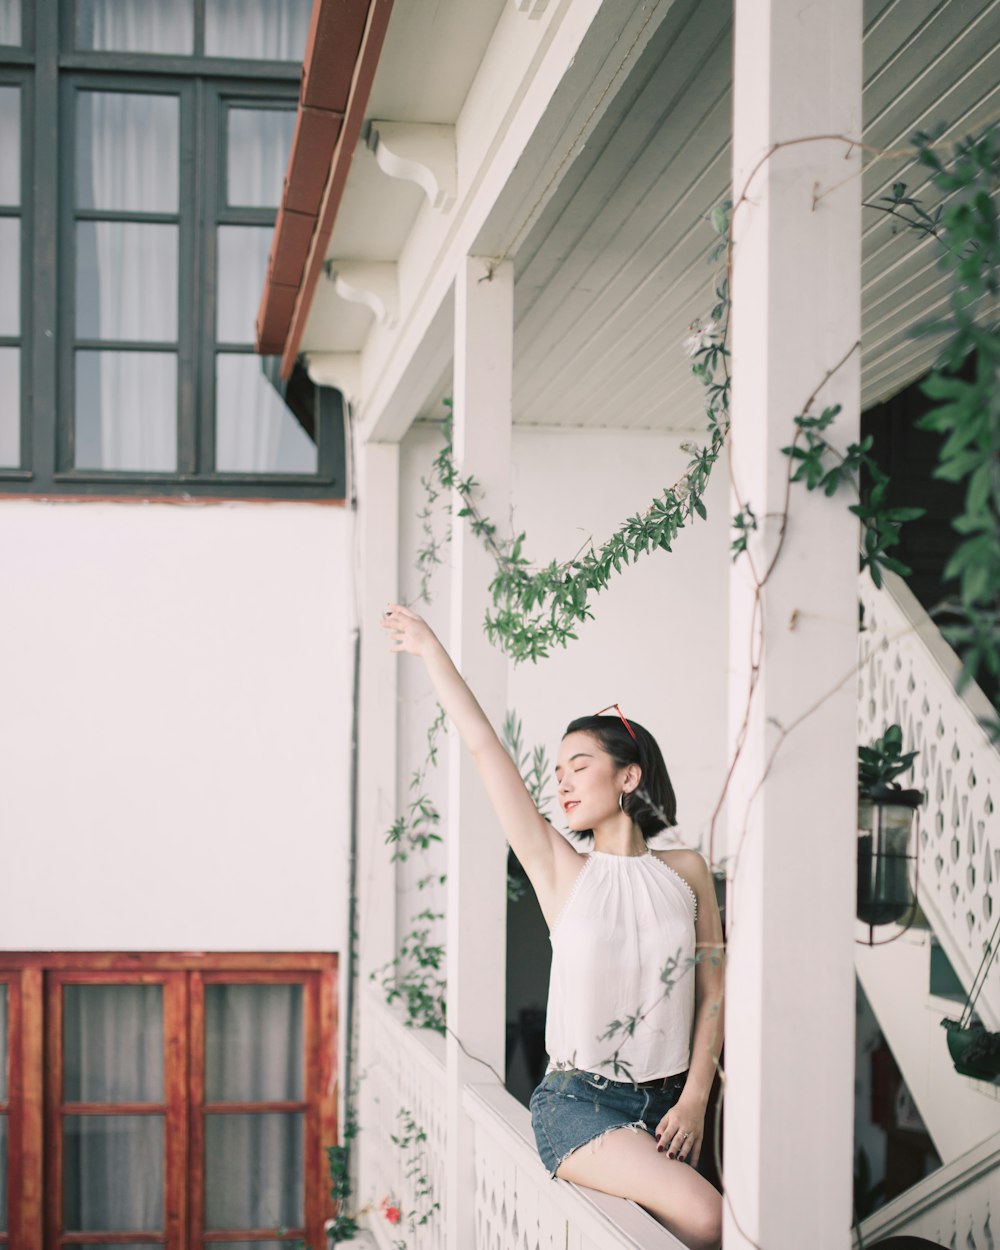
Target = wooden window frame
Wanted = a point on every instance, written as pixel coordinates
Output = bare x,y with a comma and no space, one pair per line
35,1108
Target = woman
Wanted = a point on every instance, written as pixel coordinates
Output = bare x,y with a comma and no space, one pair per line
636,983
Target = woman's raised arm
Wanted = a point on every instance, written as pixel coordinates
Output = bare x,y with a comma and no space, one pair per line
543,853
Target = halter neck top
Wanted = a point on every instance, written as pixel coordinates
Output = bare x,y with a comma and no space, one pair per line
623,947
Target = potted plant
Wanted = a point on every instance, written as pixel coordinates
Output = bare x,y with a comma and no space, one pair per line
885,817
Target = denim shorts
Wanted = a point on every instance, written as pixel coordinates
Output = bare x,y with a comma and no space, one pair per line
571,1108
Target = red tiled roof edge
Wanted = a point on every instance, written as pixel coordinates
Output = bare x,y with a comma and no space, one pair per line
342,52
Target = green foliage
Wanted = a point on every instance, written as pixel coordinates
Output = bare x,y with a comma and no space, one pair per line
338,1159
416,975
967,408
411,1144
417,827
537,609
821,467
882,762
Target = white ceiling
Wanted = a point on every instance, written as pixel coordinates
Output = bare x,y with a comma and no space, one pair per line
613,272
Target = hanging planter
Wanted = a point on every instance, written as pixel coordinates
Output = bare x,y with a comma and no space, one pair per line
974,1050
885,822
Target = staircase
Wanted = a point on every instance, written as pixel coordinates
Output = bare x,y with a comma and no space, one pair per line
907,674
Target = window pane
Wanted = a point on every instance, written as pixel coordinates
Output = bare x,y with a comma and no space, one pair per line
126,151
253,1043
10,143
242,269
126,281
259,141
254,430
10,407
135,25
113,1043
10,22
253,1171
272,30
112,1173
10,267
126,411
3,1043
3,1174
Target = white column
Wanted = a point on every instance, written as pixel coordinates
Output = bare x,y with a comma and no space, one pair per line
378,575
378,552
796,315
477,852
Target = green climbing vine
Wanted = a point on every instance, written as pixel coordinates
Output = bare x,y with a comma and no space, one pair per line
965,385
536,609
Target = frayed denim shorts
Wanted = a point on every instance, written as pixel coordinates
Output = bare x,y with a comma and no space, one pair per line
571,1108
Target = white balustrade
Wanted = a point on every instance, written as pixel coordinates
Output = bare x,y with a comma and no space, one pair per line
402,1070
958,1205
518,1207
906,676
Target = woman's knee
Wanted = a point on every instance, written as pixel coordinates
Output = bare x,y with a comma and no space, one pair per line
701,1223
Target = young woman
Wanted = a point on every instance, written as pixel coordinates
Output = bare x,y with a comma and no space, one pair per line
636,939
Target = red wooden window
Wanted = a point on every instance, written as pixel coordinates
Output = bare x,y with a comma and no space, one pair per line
165,1100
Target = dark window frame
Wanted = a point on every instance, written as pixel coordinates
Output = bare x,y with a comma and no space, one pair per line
51,72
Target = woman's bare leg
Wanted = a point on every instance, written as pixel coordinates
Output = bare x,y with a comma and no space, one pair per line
626,1162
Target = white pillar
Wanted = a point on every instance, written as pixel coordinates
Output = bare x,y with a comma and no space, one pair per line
477,852
378,521
796,314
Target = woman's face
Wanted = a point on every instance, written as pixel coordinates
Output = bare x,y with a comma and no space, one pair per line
589,782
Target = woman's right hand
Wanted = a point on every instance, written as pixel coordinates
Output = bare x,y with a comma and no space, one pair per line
407,631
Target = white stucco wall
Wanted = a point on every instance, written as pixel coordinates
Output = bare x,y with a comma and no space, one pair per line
175,726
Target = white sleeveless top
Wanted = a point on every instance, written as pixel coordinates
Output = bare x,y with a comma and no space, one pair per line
627,919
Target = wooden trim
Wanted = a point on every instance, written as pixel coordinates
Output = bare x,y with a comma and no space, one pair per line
167,961
112,1108
196,1101
347,141
254,1108
31,1067
310,1123
53,1120
329,1056
175,1076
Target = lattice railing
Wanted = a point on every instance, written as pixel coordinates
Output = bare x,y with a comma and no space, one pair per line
518,1206
958,1205
403,1070
907,674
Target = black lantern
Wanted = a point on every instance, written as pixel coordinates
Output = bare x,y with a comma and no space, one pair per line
886,848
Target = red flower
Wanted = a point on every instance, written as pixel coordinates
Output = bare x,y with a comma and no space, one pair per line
389,1210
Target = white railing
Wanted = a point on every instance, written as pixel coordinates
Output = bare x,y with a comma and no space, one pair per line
518,1207
907,675
402,1071
958,1205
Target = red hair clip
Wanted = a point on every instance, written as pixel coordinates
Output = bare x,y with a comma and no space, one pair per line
622,715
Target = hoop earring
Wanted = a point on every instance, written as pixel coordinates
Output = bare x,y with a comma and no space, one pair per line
621,801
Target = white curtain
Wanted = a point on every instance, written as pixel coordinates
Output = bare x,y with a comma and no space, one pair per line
135,25
10,22
270,30
10,144
113,1053
254,1053
127,275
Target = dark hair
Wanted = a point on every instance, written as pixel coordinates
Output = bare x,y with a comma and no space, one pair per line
651,805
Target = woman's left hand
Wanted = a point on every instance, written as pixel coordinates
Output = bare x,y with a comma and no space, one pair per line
681,1131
